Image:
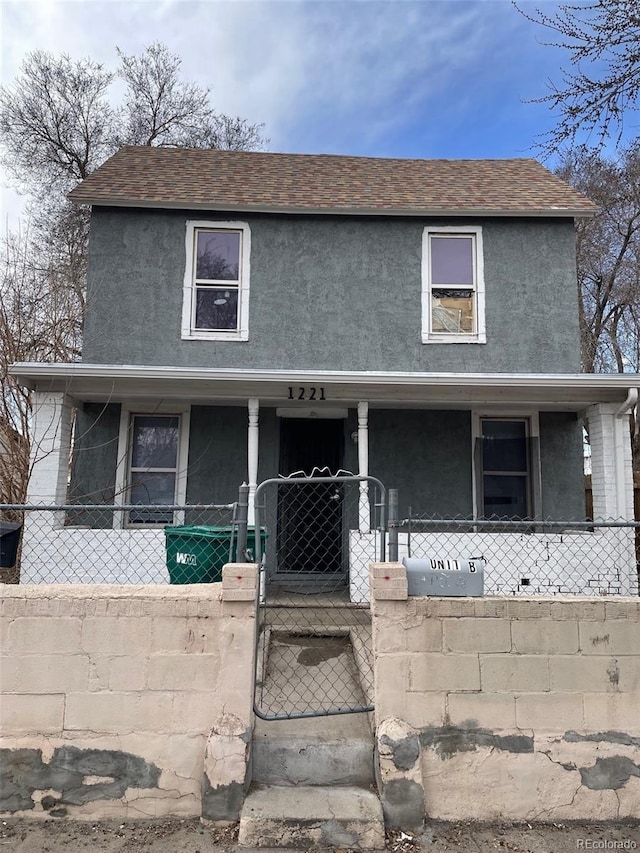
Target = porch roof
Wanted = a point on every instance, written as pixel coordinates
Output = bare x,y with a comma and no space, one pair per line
384,389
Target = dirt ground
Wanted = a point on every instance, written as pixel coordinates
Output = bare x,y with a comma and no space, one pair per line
189,836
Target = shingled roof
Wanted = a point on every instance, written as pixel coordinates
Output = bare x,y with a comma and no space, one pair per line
319,183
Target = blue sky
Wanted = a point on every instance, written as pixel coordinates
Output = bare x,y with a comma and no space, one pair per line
431,78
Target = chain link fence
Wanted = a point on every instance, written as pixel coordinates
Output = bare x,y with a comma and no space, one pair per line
318,536
530,557
135,544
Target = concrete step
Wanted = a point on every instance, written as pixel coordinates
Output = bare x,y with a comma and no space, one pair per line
335,750
306,817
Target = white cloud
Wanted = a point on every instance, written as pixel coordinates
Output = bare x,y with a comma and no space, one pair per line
323,75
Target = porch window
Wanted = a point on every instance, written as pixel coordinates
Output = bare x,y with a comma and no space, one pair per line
153,466
505,469
216,286
453,286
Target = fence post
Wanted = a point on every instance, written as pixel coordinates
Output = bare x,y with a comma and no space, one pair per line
243,514
393,525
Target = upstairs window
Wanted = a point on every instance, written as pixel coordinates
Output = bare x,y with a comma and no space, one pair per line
453,286
216,286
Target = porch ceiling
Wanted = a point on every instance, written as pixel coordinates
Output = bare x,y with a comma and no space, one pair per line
105,382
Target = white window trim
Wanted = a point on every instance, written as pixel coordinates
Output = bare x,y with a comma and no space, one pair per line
127,409
533,431
480,335
189,290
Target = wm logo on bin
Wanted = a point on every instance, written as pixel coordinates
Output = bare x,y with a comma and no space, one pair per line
186,559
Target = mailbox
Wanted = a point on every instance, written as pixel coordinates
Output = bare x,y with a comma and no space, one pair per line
445,576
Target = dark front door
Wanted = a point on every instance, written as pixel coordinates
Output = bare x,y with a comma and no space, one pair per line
309,540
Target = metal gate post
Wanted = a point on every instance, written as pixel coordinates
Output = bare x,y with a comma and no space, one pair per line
243,514
393,523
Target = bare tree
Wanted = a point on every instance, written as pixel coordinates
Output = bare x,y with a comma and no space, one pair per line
608,262
608,258
602,86
56,122
38,322
161,109
57,125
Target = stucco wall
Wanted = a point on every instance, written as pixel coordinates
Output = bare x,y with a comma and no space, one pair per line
217,454
94,462
331,293
95,453
562,466
115,700
496,708
425,454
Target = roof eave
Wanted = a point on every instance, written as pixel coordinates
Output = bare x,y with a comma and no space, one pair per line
566,392
547,212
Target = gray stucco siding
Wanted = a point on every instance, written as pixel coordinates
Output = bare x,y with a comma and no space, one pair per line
94,461
217,455
562,466
95,453
426,455
218,452
334,293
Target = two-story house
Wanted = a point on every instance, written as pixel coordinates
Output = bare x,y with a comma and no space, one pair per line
257,314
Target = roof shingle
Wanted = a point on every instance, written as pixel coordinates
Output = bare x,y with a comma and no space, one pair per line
321,183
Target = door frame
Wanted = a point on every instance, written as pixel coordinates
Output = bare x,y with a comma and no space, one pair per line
318,469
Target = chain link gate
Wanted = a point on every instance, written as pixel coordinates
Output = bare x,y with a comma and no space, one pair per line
318,535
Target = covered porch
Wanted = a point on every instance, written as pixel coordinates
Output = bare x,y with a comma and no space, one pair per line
422,434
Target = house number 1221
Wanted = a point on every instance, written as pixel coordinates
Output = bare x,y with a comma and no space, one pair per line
306,393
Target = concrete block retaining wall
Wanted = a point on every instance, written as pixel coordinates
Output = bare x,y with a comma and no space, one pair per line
509,708
136,702
127,701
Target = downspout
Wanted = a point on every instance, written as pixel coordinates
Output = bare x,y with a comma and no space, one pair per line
253,405
629,403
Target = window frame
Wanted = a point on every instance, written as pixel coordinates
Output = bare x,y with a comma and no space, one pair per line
479,335
189,332
128,411
534,474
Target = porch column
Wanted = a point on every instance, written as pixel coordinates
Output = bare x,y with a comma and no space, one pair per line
252,456
612,487
611,470
50,448
364,515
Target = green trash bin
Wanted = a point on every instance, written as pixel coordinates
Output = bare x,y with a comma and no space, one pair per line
196,553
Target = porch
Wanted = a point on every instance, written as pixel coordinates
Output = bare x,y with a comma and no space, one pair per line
424,434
